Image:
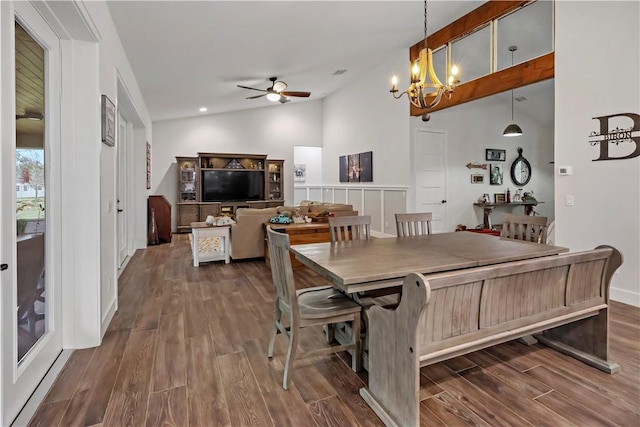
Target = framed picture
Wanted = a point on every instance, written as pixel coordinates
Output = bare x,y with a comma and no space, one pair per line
366,166
108,121
343,168
299,173
498,198
495,155
149,166
353,169
495,175
477,178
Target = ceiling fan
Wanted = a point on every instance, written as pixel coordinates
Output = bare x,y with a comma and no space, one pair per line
276,92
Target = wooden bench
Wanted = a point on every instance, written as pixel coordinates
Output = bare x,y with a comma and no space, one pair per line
445,315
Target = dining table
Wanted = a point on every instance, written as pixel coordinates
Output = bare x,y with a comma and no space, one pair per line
372,268
364,265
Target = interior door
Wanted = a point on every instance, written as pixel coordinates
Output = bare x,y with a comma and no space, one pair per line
429,165
30,297
121,174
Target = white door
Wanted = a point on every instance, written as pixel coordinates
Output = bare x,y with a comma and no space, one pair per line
429,165
30,291
121,174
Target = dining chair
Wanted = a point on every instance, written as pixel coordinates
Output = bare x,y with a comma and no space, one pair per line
321,305
350,228
413,224
525,227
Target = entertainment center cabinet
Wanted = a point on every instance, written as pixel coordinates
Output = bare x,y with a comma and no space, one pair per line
219,183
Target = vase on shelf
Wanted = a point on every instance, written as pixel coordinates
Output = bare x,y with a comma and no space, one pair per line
152,237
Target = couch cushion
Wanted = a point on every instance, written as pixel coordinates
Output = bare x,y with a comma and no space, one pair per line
303,209
256,211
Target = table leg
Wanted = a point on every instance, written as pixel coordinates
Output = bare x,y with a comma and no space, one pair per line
487,219
194,249
227,247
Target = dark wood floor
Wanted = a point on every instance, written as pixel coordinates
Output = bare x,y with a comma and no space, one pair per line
187,347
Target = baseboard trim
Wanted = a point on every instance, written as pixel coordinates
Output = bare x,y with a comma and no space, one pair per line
624,296
30,408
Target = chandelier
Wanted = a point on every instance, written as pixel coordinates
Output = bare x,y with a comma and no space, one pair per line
426,90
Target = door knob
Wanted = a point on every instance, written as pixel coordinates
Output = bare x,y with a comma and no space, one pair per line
120,210
3,267
444,201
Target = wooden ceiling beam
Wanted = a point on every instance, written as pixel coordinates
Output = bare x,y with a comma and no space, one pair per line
529,72
523,74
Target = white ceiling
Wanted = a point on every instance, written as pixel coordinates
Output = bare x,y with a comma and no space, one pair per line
192,54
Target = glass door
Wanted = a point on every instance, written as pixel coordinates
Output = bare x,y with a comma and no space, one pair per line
31,335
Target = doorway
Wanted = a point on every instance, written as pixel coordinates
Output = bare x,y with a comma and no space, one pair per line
30,168
430,175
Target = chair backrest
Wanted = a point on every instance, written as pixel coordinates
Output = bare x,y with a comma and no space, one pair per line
525,227
30,266
281,271
413,224
350,228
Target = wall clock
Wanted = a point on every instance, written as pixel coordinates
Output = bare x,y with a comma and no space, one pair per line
520,170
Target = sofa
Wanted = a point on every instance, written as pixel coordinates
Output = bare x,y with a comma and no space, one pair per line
247,234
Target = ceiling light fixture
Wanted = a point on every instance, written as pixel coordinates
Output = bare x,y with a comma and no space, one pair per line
426,90
203,109
513,129
30,115
273,97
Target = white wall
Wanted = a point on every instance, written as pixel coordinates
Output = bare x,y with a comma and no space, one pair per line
273,130
475,126
607,199
363,116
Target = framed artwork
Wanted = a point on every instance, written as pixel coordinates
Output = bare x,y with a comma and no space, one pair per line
149,166
366,166
342,167
499,198
299,173
108,121
477,178
495,155
353,169
495,175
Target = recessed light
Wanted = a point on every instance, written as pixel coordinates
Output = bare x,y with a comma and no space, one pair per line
203,109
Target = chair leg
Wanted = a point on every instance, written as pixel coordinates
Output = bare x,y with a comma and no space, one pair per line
356,358
274,330
330,333
291,357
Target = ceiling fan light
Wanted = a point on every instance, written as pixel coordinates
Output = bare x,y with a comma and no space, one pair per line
279,86
273,97
512,130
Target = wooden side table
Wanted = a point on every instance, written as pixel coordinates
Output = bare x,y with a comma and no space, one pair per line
210,243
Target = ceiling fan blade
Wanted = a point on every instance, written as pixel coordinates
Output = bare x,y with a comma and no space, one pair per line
257,96
252,88
279,86
299,94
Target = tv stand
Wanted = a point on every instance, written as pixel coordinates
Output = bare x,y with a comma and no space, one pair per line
191,206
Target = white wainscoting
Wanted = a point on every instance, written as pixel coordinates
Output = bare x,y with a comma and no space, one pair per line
381,202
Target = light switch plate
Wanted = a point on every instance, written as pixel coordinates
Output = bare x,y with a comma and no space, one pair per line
565,170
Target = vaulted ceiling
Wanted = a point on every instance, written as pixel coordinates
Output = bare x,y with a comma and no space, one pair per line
191,54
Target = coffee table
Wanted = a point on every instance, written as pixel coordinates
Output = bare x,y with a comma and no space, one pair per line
210,243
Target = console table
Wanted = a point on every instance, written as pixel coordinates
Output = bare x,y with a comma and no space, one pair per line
488,207
210,243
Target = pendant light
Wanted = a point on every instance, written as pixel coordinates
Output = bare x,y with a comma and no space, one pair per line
513,129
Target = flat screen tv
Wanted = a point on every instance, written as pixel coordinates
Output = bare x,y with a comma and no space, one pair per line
230,186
